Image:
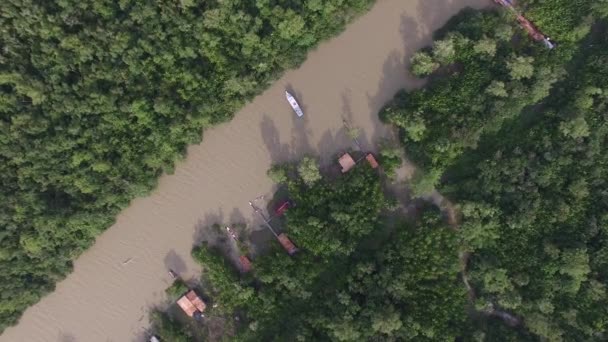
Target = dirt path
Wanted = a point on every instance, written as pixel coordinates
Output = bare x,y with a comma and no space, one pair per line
453,219
352,75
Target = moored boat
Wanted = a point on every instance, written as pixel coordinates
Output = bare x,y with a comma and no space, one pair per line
294,104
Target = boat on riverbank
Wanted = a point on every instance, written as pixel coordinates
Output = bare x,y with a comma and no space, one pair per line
294,104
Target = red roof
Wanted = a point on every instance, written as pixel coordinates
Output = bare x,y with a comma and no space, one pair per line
282,208
346,162
371,160
245,263
191,303
287,244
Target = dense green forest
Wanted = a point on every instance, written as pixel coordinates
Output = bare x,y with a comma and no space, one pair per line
485,70
99,97
515,135
354,279
535,206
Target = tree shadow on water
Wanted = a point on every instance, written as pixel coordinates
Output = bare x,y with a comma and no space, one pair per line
326,146
413,40
237,217
298,146
300,142
271,137
395,75
434,13
361,142
175,263
203,231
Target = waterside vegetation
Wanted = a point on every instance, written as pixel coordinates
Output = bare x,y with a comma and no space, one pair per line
514,134
98,98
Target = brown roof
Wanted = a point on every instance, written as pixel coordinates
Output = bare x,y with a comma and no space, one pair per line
371,160
245,263
287,244
190,303
347,162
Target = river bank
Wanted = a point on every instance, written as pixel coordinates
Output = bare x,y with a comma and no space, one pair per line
114,283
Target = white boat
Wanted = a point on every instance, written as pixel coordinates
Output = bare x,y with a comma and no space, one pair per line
294,104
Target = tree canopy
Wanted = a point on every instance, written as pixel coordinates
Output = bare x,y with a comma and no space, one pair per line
511,132
99,97
347,283
515,135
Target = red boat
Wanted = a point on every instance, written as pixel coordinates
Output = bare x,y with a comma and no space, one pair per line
282,207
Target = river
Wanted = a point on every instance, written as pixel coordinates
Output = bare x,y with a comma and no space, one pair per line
118,280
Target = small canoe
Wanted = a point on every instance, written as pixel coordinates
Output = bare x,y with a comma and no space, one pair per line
294,104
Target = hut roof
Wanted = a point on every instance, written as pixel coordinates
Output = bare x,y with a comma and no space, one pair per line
371,160
191,303
287,244
346,162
